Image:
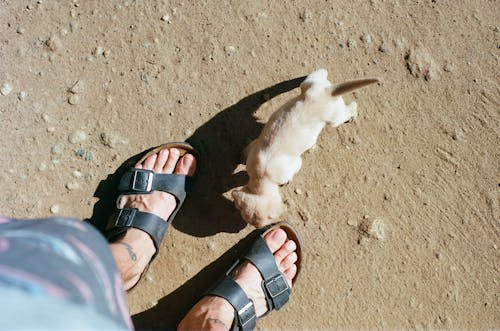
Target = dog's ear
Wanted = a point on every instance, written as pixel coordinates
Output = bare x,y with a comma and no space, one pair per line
352,85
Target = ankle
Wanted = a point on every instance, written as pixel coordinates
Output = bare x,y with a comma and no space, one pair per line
132,254
210,313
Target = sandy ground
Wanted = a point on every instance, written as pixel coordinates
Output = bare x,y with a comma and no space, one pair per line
398,211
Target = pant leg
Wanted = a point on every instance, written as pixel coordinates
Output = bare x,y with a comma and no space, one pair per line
64,259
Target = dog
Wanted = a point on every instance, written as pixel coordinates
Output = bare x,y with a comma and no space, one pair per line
275,156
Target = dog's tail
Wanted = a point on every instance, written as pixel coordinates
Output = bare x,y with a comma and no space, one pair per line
352,85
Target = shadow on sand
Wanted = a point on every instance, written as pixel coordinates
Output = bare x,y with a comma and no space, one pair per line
220,142
205,211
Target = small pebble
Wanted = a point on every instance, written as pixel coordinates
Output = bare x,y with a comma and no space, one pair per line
42,166
57,149
77,137
73,186
298,191
305,15
77,174
448,67
420,63
384,48
230,50
54,209
99,50
109,98
112,141
20,30
22,95
351,43
355,140
211,246
73,26
107,53
5,89
78,87
367,38
373,228
73,99
166,18
51,129
458,135
54,43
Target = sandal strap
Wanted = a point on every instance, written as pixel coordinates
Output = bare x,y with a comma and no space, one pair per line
128,218
143,181
275,287
245,317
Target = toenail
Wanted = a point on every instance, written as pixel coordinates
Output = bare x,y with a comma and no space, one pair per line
174,151
291,245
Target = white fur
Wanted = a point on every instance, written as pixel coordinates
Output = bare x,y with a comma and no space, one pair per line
274,157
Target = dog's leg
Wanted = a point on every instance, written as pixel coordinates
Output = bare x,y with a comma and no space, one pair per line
352,111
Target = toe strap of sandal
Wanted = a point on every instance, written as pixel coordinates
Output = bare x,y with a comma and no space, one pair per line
128,218
275,287
245,317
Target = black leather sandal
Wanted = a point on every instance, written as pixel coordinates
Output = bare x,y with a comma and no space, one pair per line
142,181
275,287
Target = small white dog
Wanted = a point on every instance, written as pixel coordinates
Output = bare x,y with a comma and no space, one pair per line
274,157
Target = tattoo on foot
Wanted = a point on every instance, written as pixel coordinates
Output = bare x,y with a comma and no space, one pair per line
130,251
216,321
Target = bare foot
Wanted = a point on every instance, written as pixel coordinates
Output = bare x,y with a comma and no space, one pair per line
215,313
136,248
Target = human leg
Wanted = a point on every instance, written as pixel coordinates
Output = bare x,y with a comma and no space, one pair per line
135,248
217,313
60,264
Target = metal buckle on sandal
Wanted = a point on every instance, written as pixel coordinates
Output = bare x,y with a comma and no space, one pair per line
125,217
142,180
276,286
247,314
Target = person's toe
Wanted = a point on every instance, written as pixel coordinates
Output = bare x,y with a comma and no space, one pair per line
149,162
288,261
275,239
284,252
186,165
290,273
173,157
161,160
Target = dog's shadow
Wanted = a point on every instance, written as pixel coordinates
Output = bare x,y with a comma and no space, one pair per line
220,142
